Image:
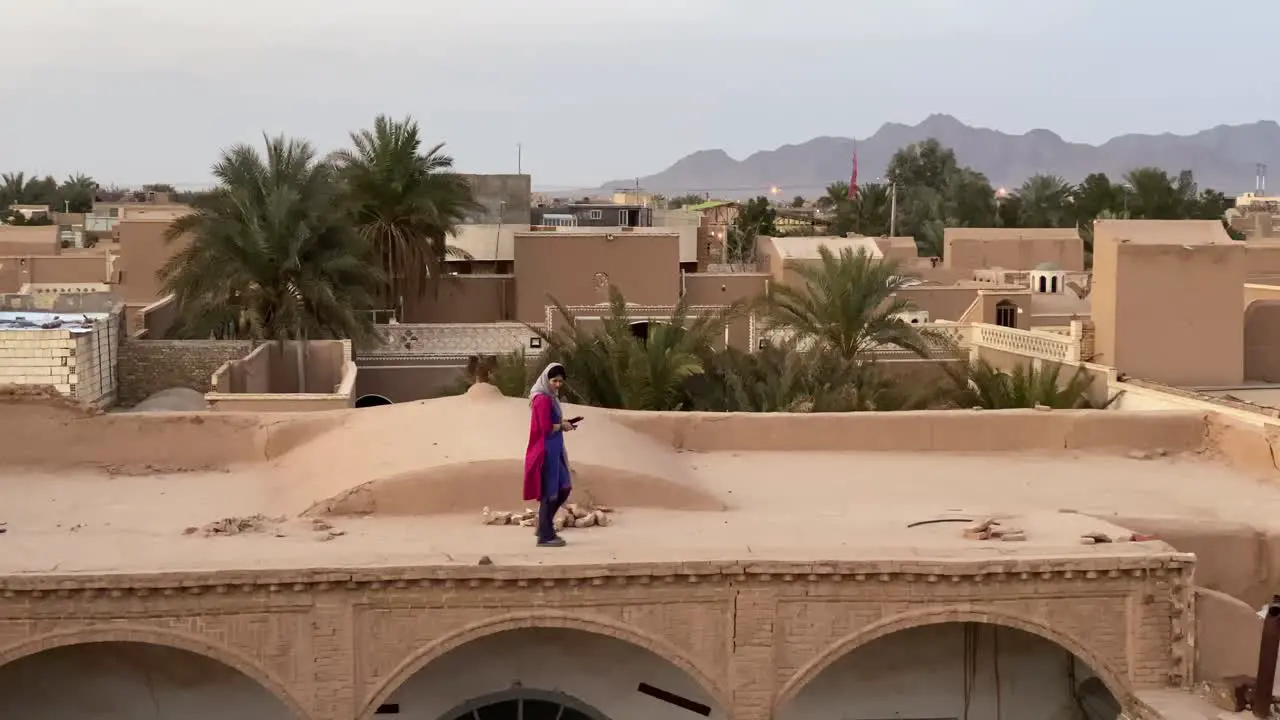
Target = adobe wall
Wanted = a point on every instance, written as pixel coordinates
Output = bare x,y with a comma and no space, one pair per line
977,248
400,381
942,303
577,268
1139,285
941,431
465,299
1228,633
149,366
143,251
752,640
19,270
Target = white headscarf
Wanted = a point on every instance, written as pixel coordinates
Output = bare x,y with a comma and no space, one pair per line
543,386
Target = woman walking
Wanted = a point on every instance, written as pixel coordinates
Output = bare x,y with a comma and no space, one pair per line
546,463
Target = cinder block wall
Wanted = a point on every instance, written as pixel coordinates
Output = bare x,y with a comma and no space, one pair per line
78,365
38,357
148,366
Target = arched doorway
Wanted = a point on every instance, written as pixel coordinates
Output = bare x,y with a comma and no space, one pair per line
134,680
521,704
592,676
955,670
1006,314
367,401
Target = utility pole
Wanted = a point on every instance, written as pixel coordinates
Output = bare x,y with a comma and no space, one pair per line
519,159
893,209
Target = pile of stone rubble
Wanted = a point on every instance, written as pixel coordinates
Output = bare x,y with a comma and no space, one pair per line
992,529
572,515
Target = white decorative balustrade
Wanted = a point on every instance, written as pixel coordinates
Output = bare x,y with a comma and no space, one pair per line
1029,343
950,337
451,340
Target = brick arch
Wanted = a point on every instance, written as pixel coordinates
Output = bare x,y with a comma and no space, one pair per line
155,636
921,618
531,620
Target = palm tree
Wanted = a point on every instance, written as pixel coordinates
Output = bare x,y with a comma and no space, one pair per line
18,189
12,186
837,194
866,214
783,377
848,305
981,385
76,193
1154,195
1045,201
271,254
406,203
610,366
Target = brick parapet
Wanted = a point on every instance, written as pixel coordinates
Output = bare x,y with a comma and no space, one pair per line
1043,569
149,366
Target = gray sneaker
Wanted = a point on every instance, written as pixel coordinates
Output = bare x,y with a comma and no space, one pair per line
553,542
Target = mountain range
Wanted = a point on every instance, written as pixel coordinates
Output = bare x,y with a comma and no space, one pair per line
1224,158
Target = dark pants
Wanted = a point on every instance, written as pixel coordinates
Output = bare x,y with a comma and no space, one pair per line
547,509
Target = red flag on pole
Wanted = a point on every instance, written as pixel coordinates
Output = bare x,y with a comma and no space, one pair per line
853,179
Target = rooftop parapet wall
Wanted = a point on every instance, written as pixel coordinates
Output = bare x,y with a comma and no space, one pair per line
937,431
43,435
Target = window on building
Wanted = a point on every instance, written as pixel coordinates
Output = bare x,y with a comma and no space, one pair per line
595,214
1006,314
1053,285
1042,288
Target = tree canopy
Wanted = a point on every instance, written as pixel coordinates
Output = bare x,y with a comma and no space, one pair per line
935,191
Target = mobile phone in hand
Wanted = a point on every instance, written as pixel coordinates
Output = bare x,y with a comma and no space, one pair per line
574,420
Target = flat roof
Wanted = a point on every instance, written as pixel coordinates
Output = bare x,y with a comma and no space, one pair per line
805,247
406,484
998,234
1164,232
837,507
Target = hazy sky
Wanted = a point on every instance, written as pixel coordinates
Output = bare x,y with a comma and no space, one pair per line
134,91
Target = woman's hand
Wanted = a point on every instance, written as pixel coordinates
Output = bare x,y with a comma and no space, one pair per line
566,426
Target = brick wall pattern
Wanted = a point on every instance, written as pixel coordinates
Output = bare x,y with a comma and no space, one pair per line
149,366
335,645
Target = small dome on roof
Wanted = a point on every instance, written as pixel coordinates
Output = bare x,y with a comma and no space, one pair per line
1045,266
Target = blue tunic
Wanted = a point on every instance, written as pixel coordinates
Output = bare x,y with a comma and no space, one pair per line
555,465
